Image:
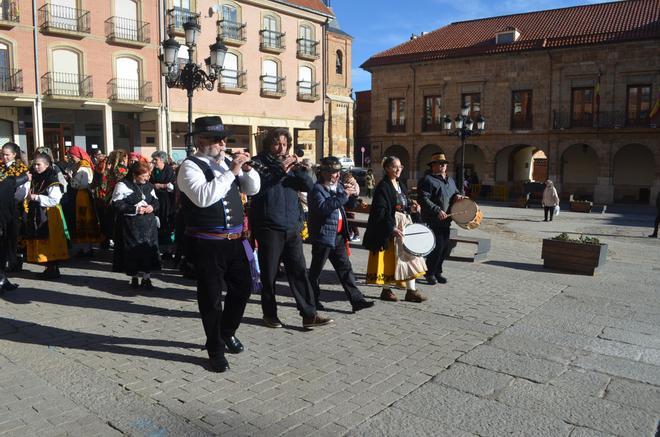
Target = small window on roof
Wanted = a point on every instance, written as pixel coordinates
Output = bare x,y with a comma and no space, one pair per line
507,35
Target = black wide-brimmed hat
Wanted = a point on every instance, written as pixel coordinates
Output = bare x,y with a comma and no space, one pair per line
211,127
438,158
330,164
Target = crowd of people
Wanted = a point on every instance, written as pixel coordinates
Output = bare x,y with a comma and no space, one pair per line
231,221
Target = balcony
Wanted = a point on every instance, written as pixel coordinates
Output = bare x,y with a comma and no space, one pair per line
232,33
11,80
431,125
66,85
272,41
601,120
9,14
63,20
307,91
307,49
176,17
396,126
120,30
129,91
232,81
272,86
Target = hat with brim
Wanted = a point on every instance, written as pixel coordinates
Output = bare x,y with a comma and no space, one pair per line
438,158
210,127
330,164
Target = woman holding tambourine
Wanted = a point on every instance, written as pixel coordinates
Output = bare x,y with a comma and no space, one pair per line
388,216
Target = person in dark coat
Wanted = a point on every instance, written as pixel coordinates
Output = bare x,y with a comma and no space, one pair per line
328,232
163,179
13,166
136,203
8,214
657,218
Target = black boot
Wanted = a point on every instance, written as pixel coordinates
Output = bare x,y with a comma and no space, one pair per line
5,285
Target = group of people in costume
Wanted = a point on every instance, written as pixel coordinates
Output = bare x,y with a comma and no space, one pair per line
234,218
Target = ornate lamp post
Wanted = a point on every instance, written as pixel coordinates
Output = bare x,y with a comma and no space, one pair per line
464,127
192,76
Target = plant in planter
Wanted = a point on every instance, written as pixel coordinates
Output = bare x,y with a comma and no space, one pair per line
580,255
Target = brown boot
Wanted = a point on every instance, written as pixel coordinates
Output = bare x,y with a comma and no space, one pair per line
414,296
388,295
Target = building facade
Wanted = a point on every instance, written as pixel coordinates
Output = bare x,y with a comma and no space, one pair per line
87,73
569,94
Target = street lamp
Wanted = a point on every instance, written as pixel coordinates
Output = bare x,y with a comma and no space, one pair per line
464,127
192,76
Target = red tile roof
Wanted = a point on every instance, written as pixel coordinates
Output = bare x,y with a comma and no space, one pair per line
579,25
315,5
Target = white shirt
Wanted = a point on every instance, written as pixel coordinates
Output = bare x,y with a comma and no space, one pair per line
192,182
82,178
122,191
52,198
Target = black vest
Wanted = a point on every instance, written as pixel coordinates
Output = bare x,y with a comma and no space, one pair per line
226,213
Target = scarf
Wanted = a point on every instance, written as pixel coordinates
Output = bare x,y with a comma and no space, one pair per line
80,153
16,168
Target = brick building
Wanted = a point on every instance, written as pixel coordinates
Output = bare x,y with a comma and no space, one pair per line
87,72
567,94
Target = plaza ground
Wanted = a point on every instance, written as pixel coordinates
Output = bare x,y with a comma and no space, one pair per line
506,347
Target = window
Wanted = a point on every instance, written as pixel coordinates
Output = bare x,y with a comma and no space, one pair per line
432,115
473,100
305,84
65,77
270,79
306,43
397,121
582,107
521,109
5,68
126,19
639,104
229,77
182,11
339,67
231,26
64,14
128,79
271,37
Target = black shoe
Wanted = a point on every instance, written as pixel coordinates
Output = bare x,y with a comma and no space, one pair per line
5,285
362,304
16,268
320,307
233,344
441,279
653,236
272,322
146,284
50,273
430,280
218,363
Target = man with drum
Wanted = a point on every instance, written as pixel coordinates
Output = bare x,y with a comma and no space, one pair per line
437,192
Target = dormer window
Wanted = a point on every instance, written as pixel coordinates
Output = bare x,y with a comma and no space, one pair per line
507,35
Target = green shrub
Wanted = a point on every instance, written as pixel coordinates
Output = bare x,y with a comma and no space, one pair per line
582,239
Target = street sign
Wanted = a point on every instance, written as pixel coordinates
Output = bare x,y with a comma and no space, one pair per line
362,149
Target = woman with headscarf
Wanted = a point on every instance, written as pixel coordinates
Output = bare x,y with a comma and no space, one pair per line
13,166
8,185
136,250
85,230
550,200
113,169
45,229
163,179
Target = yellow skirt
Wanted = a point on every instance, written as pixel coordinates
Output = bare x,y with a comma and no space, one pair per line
382,265
87,223
55,247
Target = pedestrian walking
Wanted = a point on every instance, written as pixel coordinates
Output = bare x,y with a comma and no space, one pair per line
370,181
383,227
550,200
277,219
211,184
657,217
329,235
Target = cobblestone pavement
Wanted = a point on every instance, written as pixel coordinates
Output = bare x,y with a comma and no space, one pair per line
505,347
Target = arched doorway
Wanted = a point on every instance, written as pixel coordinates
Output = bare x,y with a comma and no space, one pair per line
424,156
579,171
514,163
403,155
475,163
633,173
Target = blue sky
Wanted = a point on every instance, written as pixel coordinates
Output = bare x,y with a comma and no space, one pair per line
377,25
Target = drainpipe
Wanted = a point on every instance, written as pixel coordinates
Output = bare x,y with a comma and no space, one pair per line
558,165
37,114
412,175
324,73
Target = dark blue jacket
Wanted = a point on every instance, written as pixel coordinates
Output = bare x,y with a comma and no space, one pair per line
324,209
436,194
276,206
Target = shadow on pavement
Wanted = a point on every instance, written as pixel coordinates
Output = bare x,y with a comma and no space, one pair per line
518,266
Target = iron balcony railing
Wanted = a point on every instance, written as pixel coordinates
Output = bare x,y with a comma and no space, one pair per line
232,31
272,86
178,15
396,125
120,28
430,124
9,11
307,48
232,80
129,90
66,84
272,40
601,120
308,90
11,80
56,17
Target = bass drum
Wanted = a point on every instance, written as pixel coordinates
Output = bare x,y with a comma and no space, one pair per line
418,239
466,214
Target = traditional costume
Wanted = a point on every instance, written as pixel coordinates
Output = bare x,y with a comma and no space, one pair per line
85,229
14,169
166,203
7,223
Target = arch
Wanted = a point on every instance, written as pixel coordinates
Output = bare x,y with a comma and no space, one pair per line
339,64
270,21
306,31
403,155
579,169
424,156
633,172
231,11
475,163
515,163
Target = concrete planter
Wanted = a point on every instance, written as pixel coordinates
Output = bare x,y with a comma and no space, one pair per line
573,256
578,206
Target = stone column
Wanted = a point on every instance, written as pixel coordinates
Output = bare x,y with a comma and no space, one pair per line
252,133
108,136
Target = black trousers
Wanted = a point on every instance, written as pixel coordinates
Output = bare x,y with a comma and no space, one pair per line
221,266
286,246
548,210
10,246
435,259
342,265
657,222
